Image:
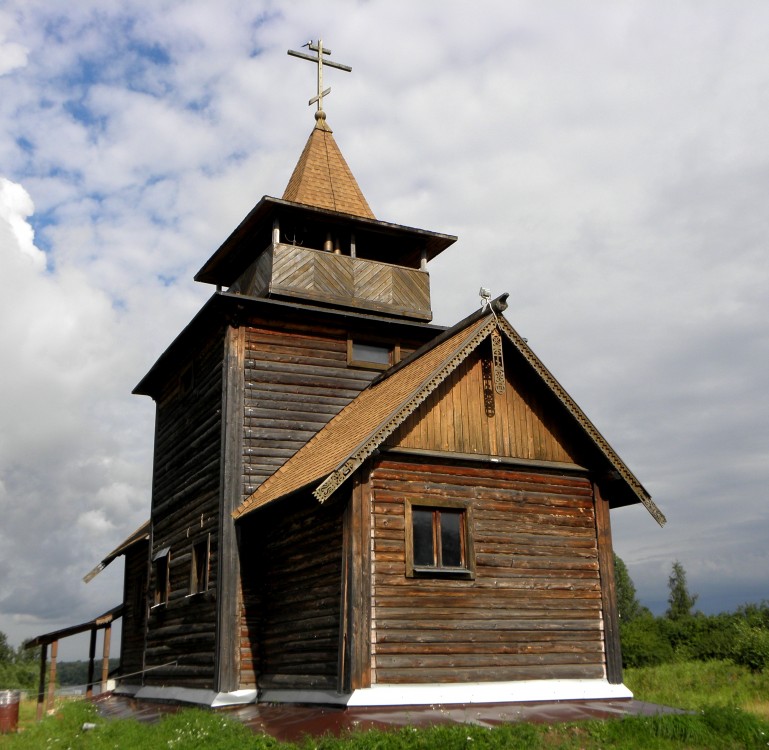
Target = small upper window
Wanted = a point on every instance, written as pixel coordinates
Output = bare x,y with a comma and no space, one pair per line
199,566
162,564
371,354
438,540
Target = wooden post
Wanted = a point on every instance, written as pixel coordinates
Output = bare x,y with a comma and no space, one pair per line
41,688
227,658
358,633
91,659
52,676
608,590
105,657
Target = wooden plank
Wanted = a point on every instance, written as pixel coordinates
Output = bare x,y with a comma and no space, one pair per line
228,570
608,592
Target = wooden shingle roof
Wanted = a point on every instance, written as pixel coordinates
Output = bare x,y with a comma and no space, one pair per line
367,420
322,178
142,533
338,449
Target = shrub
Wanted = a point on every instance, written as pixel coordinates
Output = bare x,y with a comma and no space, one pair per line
643,645
751,647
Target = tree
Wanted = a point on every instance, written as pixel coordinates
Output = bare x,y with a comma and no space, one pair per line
6,652
628,606
679,599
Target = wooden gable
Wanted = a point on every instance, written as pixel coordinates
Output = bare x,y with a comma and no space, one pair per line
466,414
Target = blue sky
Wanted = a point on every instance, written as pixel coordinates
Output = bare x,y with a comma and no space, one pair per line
605,164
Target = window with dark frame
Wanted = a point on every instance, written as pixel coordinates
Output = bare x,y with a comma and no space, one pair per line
438,540
199,566
371,354
162,563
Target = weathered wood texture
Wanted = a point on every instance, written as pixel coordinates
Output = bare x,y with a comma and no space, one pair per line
296,379
135,599
228,577
465,415
292,583
307,273
534,609
185,507
608,589
355,636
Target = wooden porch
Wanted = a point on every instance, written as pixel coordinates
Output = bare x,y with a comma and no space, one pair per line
103,622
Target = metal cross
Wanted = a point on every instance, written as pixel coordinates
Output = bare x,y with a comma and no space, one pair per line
320,62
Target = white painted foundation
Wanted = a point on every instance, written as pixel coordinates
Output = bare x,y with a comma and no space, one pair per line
523,691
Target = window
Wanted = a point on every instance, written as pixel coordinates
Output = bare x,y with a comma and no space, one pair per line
371,355
162,564
439,540
199,566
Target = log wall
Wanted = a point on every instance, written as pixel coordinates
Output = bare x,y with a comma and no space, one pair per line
296,379
292,579
135,612
533,610
185,502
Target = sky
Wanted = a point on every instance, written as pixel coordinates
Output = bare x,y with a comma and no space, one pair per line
607,164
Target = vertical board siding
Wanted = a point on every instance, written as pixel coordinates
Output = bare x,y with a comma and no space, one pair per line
534,608
292,586
457,419
185,503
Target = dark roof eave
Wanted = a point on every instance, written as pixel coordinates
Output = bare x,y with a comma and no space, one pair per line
218,269
222,307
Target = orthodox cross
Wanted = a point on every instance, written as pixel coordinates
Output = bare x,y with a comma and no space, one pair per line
320,62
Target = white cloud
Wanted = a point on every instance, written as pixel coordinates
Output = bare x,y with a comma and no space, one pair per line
607,165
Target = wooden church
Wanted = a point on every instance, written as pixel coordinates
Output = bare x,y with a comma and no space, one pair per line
351,505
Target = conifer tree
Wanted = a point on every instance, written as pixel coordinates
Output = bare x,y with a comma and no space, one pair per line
628,606
680,600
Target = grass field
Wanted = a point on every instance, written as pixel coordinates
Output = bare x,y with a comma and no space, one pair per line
730,709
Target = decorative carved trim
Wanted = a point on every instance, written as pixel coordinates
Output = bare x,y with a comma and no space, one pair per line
583,421
498,361
334,480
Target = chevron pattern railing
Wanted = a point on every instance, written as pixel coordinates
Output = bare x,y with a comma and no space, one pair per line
351,282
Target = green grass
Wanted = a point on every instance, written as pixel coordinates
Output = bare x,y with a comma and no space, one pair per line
725,698
694,685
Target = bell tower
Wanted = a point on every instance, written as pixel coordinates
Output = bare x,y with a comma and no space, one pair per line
321,242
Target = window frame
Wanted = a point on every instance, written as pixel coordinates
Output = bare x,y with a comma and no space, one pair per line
200,551
162,570
393,349
467,570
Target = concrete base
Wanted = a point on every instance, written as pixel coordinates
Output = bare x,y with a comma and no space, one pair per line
523,691
196,696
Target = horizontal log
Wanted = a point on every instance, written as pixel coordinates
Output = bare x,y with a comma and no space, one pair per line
488,638
297,681
500,616
512,626
480,661
420,675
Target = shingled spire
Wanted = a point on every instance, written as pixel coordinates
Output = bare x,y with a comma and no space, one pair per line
321,177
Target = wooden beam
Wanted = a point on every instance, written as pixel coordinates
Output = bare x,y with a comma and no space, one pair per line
105,658
608,590
41,685
227,670
359,593
52,676
91,659
486,459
